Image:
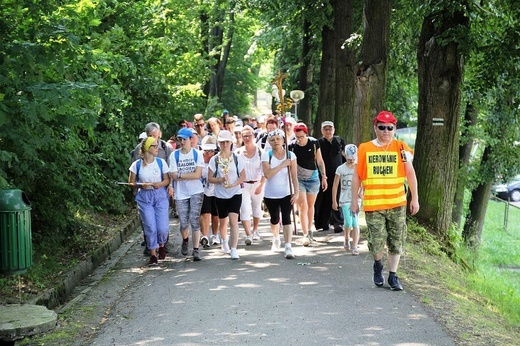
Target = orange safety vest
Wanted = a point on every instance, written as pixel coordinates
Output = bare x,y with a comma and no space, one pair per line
382,174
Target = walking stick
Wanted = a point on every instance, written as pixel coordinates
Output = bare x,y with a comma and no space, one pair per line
277,81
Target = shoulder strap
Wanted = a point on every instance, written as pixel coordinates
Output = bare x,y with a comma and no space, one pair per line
270,156
235,157
216,165
159,162
177,155
137,168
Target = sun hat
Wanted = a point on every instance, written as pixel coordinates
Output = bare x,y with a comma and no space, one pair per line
208,143
185,133
385,117
225,135
327,123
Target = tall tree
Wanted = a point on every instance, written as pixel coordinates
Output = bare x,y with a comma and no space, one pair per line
440,60
371,70
327,83
344,66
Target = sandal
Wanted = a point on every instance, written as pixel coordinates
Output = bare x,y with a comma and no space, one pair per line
355,252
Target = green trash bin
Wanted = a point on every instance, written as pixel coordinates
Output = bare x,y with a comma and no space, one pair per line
15,232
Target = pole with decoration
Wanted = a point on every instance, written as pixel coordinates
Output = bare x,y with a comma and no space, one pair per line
278,82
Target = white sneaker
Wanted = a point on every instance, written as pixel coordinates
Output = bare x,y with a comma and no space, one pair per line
288,253
256,235
214,240
248,240
276,244
225,246
306,241
234,254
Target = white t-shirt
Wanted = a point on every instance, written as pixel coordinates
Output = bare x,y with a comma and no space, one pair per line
345,182
278,185
184,189
149,173
253,165
226,192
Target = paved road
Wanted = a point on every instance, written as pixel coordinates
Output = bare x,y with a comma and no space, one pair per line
322,296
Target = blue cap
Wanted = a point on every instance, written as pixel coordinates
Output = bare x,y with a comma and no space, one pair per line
225,111
185,133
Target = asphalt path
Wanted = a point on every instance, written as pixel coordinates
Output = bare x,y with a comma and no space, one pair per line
324,295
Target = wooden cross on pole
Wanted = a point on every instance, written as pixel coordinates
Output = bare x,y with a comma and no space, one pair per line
278,81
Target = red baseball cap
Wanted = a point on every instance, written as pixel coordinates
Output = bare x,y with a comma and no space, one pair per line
385,117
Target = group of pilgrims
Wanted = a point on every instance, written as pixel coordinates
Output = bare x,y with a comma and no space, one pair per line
220,172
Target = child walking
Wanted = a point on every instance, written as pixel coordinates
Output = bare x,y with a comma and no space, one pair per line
343,176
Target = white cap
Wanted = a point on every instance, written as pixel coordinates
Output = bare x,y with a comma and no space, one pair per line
225,135
142,135
238,129
290,120
327,123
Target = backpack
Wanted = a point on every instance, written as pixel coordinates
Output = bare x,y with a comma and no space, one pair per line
138,167
270,153
177,155
235,158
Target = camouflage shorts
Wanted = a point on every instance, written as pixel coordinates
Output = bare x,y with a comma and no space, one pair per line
386,227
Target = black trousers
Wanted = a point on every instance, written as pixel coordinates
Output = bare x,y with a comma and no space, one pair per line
323,213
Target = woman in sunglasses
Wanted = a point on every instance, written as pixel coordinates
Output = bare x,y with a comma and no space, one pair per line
149,175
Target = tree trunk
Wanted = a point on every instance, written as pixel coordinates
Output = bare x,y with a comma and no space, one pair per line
371,72
344,105
436,150
205,50
306,76
470,120
477,209
327,87
221,69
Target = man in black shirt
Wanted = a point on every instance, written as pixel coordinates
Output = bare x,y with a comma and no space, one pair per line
332,151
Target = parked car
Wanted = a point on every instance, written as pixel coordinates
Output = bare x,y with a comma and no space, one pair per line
509,191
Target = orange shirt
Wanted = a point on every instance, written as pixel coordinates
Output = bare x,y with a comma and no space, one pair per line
382,174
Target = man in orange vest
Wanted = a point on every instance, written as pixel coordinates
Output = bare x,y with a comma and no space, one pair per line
383,166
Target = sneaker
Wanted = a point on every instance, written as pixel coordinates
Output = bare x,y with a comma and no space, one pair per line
234,254
214,240
393,282
184,248
152,261
248,240
379,279
288,253
162,253
306,240
225,246
256,235
276,244
196,255
355,252
204,242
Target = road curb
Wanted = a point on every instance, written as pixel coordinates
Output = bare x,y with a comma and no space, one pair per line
57,295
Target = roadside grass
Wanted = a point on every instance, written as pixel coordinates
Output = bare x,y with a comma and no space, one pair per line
479,305
497,264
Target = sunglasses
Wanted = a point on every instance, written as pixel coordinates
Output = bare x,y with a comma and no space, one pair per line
247,136
199,125
154,146
383,127
209,151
